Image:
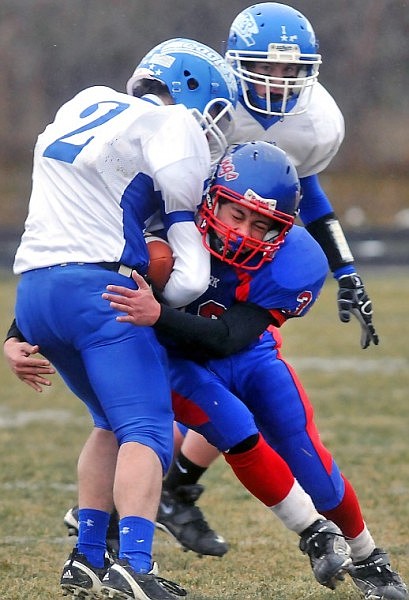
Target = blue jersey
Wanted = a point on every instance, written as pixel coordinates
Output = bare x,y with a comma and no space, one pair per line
287,286
230,399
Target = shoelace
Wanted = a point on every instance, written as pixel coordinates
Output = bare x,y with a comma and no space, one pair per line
385,572
319,546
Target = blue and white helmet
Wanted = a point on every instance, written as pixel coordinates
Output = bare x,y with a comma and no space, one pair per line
260,177
200,79
270,32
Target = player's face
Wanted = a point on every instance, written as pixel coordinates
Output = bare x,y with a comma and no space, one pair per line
243,221
280,71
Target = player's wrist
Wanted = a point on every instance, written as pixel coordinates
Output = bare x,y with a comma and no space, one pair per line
345,270
14,332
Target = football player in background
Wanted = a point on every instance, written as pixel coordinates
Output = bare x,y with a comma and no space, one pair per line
262,273
109,163
273,50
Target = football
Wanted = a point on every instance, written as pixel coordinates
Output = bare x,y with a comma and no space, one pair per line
160,261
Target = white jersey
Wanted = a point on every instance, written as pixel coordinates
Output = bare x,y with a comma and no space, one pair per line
106,164
310,139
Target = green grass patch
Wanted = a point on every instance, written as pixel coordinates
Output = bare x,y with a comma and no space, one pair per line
362,409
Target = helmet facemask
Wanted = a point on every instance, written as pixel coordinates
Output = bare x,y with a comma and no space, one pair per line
217,121
226,244
292,89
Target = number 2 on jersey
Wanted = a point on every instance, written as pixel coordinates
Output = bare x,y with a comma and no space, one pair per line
66,151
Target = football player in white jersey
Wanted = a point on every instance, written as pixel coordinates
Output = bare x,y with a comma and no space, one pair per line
103,169
274,54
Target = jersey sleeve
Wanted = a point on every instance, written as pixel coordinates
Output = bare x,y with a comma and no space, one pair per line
178,157
191,271
204,338
292,282
179,160
313,138
14,332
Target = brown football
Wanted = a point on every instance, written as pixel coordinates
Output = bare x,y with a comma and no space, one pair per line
160,261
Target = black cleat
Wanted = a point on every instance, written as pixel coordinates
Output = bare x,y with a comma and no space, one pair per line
178,516
375,578
80,579
329,553
112,541
121,582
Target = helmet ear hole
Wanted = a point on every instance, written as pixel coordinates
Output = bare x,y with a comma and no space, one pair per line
192,83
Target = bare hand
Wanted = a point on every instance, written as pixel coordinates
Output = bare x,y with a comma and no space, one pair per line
20,358
140,306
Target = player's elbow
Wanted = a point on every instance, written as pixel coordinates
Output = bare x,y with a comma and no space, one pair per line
197,283
182,290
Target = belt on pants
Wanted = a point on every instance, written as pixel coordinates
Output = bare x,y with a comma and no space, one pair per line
110,266
117,268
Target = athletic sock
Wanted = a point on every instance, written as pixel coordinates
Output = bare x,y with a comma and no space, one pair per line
347,515
182,472
135,542
361,546
92,531
263,472
296,511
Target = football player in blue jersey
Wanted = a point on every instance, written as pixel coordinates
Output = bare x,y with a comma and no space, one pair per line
107,165
264,271
274,53
229,379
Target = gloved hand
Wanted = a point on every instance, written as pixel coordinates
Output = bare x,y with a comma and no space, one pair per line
353,299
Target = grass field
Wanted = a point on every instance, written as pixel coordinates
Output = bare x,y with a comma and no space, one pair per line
362,409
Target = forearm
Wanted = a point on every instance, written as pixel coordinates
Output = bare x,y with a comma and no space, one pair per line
327,231
238,327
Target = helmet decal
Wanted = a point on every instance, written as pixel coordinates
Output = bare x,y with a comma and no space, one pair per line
160,59
251,196
244,26
225,170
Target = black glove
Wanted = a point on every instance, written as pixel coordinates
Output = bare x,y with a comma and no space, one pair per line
353,299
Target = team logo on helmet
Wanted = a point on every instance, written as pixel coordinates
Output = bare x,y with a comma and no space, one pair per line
226,169
244,27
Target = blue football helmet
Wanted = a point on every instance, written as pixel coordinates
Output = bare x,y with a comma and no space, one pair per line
258,176
199,78
270,32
